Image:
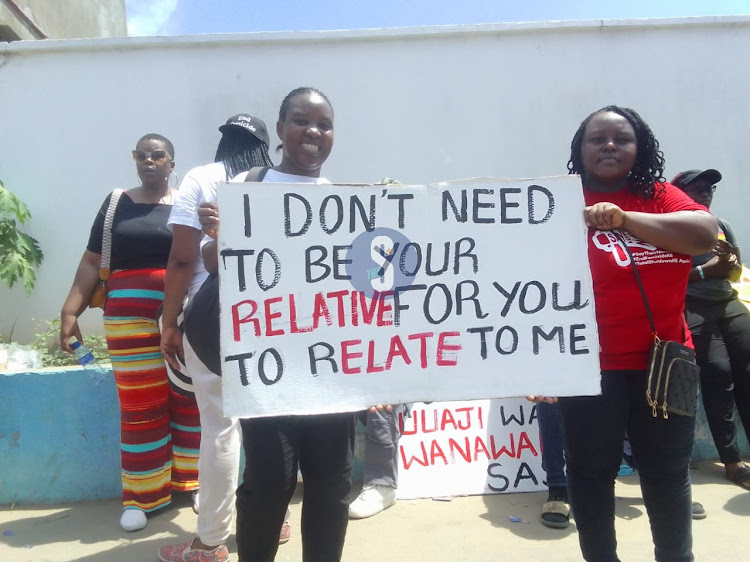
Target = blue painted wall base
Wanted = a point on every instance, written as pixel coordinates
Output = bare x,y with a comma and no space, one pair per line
60,438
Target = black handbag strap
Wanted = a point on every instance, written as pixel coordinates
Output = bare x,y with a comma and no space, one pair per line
640,283
256,174
643,291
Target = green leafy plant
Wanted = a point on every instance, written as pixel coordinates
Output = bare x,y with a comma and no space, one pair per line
47,343
20,254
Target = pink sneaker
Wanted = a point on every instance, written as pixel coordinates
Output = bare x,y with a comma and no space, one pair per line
184,552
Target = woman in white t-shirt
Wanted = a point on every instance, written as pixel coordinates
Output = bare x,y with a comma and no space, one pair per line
320,445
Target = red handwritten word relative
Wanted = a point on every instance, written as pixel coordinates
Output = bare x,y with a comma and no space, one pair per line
350,308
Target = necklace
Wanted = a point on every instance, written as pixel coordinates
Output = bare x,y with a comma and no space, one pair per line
169,202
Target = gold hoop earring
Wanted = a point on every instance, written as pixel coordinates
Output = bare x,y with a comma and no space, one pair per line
176,179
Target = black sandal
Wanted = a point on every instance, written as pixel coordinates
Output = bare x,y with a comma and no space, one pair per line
555,514
741,477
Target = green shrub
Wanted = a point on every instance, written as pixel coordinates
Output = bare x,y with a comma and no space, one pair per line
47,343
20,254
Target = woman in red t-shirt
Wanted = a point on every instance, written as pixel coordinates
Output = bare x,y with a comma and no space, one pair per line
628,202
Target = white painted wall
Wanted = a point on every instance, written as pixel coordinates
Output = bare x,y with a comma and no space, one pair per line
418,105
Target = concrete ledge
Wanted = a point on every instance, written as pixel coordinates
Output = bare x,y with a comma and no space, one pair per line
60,438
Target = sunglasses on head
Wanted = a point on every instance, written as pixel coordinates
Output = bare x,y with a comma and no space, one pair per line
156,156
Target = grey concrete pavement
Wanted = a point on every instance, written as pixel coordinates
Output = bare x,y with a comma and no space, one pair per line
476,528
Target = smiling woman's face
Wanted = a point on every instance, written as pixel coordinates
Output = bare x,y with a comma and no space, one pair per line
306,134
608,151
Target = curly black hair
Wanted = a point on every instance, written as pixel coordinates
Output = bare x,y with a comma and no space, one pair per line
649,162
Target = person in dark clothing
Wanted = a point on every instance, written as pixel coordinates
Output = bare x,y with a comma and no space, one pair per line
556,510
720,325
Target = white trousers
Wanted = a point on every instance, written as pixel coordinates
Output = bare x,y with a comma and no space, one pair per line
219,461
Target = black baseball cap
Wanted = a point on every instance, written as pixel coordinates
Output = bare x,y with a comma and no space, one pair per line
683,179
253,125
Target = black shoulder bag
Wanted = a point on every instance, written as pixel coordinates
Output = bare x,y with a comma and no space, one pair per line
202,312
673,375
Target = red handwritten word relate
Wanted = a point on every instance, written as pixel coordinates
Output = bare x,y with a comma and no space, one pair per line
444,356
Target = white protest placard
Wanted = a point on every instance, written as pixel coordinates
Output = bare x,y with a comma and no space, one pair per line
470,448
334,298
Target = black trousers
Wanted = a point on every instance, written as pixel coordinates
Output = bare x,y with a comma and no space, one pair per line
594,429
721,335
322,448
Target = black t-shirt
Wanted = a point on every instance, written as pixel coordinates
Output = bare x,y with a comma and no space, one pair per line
140,237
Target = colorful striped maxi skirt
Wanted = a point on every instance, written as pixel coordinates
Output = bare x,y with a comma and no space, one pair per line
159,429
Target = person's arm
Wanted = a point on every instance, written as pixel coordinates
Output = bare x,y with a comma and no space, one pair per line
210,256
736,252
727,261
183,255
731,240
208,214
738,258
685,232
84,282
715,268
180,266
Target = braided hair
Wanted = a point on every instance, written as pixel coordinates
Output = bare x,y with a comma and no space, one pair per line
291,95
240,150
648,169
162,139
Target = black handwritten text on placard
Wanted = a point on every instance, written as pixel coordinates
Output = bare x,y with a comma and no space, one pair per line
335,284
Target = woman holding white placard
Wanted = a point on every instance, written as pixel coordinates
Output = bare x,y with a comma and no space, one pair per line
320,446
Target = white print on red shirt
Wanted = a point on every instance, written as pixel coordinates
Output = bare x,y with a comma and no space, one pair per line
612,241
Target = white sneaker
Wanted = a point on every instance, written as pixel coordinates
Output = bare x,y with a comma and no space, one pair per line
371,501
196,501
133,520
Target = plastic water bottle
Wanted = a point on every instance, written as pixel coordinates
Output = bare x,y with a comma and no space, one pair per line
96,372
